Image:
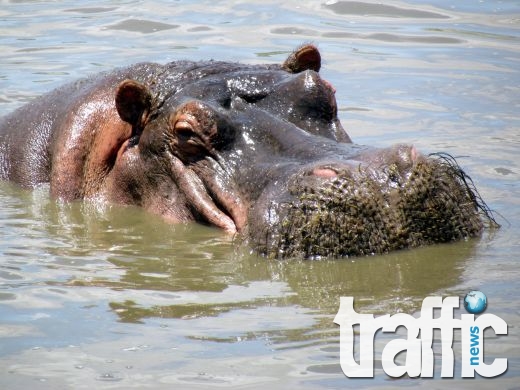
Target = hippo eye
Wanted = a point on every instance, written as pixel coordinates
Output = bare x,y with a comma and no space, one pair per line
197,130
184,128
188,142
183,131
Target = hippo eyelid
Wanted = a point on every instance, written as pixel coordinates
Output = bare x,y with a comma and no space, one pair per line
183,123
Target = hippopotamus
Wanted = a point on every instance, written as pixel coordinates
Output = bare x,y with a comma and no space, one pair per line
256,150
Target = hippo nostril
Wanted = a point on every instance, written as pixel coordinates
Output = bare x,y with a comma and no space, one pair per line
324,172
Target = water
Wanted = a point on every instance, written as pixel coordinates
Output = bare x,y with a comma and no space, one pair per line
111,297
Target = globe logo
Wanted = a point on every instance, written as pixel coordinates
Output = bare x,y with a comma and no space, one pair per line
475,302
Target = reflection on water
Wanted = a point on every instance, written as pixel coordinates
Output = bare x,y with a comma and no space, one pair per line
140,254
102,296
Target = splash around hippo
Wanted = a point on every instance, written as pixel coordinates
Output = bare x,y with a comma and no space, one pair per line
253,149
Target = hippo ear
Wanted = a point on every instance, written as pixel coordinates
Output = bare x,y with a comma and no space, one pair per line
306,57
133,101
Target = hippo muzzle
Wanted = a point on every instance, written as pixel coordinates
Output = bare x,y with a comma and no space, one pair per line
366,207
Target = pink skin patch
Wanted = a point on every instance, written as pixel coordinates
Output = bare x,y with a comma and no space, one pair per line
324,172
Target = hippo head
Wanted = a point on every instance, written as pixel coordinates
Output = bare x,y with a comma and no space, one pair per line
259,150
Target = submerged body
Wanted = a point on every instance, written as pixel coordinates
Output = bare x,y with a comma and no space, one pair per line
252,149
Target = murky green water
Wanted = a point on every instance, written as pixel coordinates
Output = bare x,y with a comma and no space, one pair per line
98,296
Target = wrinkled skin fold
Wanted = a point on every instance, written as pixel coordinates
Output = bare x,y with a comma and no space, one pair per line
256,150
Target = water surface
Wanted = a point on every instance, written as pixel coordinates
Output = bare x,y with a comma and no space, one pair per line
96,296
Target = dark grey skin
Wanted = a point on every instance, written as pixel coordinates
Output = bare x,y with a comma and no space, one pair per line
254,149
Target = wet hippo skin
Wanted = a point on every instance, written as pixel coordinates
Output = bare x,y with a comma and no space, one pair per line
252,149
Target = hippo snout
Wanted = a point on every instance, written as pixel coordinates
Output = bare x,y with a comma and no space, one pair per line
385,200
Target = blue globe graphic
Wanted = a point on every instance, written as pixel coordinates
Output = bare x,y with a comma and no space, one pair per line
475,302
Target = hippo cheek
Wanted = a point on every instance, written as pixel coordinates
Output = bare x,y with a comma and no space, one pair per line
134,181
185,188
